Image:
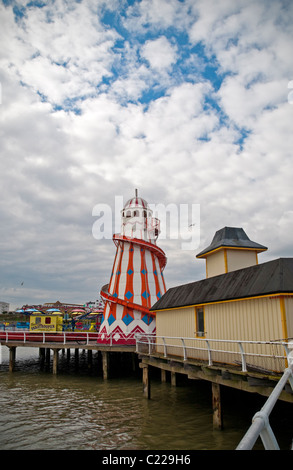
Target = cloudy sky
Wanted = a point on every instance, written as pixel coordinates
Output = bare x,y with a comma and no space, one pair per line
186,100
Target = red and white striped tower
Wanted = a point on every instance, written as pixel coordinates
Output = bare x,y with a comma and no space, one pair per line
137,280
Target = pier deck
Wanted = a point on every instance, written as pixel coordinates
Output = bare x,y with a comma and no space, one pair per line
61,341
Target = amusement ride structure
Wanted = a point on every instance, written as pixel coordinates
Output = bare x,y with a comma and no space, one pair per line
136,281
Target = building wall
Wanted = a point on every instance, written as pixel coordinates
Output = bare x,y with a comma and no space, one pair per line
238,259
46,323
252,320
288,303
246,320
178,322
215,264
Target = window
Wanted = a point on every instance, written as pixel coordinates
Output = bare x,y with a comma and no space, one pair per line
199,318
47,320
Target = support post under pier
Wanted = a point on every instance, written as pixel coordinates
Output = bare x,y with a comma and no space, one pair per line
217,406
12,355
146,381
105,356
55,361
173,379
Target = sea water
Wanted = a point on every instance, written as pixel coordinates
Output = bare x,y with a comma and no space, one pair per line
78,410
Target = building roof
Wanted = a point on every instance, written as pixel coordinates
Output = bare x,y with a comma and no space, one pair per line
232,237
273,277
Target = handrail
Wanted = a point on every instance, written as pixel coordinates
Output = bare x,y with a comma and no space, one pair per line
205,345
260,426
43,337
64,337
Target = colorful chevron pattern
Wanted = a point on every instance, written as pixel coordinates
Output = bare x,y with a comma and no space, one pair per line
137,280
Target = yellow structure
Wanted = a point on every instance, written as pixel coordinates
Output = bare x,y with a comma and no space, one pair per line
253,302
230,249
50,323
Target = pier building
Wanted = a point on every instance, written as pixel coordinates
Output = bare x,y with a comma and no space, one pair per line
137,280
239,300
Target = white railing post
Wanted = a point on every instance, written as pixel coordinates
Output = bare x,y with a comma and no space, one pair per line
209,352
184,350
165,347
243,359
149,341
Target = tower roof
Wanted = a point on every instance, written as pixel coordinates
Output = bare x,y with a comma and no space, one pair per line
136,201
232,237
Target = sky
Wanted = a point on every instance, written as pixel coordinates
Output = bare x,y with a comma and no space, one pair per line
188,101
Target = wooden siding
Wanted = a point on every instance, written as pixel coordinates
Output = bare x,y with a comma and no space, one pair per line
250,320
246,320
288,301
179,322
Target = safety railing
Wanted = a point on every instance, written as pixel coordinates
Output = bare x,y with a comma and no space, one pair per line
260,426
269,355
63,337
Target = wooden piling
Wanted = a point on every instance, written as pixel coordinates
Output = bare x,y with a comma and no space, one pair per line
55,361
146,382
12,355
217,407
89,359
105,358
76,357
173,378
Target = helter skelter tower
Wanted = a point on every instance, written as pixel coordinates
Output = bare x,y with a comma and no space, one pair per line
137,280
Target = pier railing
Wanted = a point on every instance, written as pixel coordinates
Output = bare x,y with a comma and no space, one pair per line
63,337
258,355
260,426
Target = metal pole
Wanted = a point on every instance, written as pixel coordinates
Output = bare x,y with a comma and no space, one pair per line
243,360
260,422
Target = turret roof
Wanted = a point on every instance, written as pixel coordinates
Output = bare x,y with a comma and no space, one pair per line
232,237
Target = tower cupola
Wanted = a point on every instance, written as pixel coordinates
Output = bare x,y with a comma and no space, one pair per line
231,249
137,220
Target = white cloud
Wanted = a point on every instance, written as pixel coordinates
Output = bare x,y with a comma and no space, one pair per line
88,113
159,53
